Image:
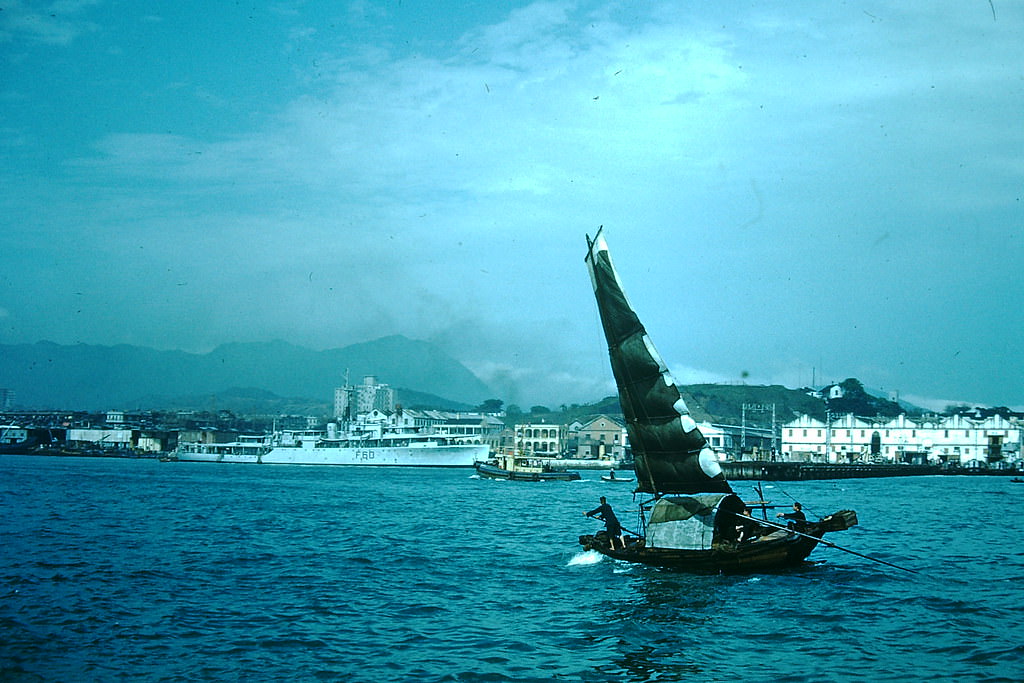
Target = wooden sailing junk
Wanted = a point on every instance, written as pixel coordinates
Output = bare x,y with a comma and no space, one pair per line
692,520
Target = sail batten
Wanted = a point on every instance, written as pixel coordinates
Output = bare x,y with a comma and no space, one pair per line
670,452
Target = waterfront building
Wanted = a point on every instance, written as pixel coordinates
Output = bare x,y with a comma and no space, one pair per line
475,427
721,438
465,427
100,437
603,436
994,442
363,398
739,441
599,437
12,434
541,439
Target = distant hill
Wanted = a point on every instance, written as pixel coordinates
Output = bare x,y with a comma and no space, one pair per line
239,401
723,404
905,406
87,377
250,401
857,400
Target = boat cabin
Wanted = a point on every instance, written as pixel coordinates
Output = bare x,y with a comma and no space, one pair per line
521,463
693,522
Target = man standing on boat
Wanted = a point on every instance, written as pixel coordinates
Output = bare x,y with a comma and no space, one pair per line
605,513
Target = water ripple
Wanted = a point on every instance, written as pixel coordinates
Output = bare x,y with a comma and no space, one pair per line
176,572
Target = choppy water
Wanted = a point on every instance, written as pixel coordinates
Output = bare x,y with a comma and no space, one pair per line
139,570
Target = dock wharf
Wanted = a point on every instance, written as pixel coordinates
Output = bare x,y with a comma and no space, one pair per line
798,471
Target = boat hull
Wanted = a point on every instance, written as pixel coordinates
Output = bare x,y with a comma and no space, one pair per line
776,551
462,455
382,456
244,458
493,472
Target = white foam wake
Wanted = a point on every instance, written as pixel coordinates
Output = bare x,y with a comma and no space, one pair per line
588,557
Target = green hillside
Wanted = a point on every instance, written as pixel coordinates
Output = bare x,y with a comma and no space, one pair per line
723,403
719,404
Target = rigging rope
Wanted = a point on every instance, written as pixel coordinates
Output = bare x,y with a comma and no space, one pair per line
830,544
790,496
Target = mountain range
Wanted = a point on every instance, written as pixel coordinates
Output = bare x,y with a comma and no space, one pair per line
281,378
51,376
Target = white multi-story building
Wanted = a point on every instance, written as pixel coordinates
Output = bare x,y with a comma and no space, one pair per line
464,427
363,398
538,439
475,426
993,441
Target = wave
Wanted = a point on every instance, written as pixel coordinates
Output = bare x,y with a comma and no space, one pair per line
585,558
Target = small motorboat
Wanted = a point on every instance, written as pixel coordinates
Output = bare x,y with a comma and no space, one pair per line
520,468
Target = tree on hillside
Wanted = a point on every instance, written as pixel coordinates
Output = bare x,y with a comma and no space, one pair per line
491,405
857,401
982,411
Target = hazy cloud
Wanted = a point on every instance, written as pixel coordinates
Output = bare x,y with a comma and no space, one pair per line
791,192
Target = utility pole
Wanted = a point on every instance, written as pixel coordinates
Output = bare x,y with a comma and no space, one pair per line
761,408
828,432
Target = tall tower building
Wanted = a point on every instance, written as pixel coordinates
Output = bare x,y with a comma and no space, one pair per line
363,398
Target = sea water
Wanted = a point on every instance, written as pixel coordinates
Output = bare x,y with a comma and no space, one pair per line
140,570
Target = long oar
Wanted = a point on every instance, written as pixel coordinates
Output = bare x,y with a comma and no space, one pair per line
829,544
620,526
630,531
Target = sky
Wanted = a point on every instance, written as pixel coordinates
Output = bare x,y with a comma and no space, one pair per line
793,193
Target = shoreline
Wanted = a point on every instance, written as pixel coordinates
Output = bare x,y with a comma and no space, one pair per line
748,470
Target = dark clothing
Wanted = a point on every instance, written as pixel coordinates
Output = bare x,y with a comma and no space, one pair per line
797,520
611,522
747,528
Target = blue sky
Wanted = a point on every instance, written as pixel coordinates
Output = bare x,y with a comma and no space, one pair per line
792,192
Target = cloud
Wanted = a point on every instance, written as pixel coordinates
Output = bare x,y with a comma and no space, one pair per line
57,23
513,111
688,375
940,405
396,182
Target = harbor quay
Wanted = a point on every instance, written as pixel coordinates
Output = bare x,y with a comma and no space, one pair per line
760,470
805,448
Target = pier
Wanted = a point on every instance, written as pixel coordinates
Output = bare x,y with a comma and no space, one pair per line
798,471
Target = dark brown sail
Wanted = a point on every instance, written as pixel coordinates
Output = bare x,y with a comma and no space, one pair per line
671,454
